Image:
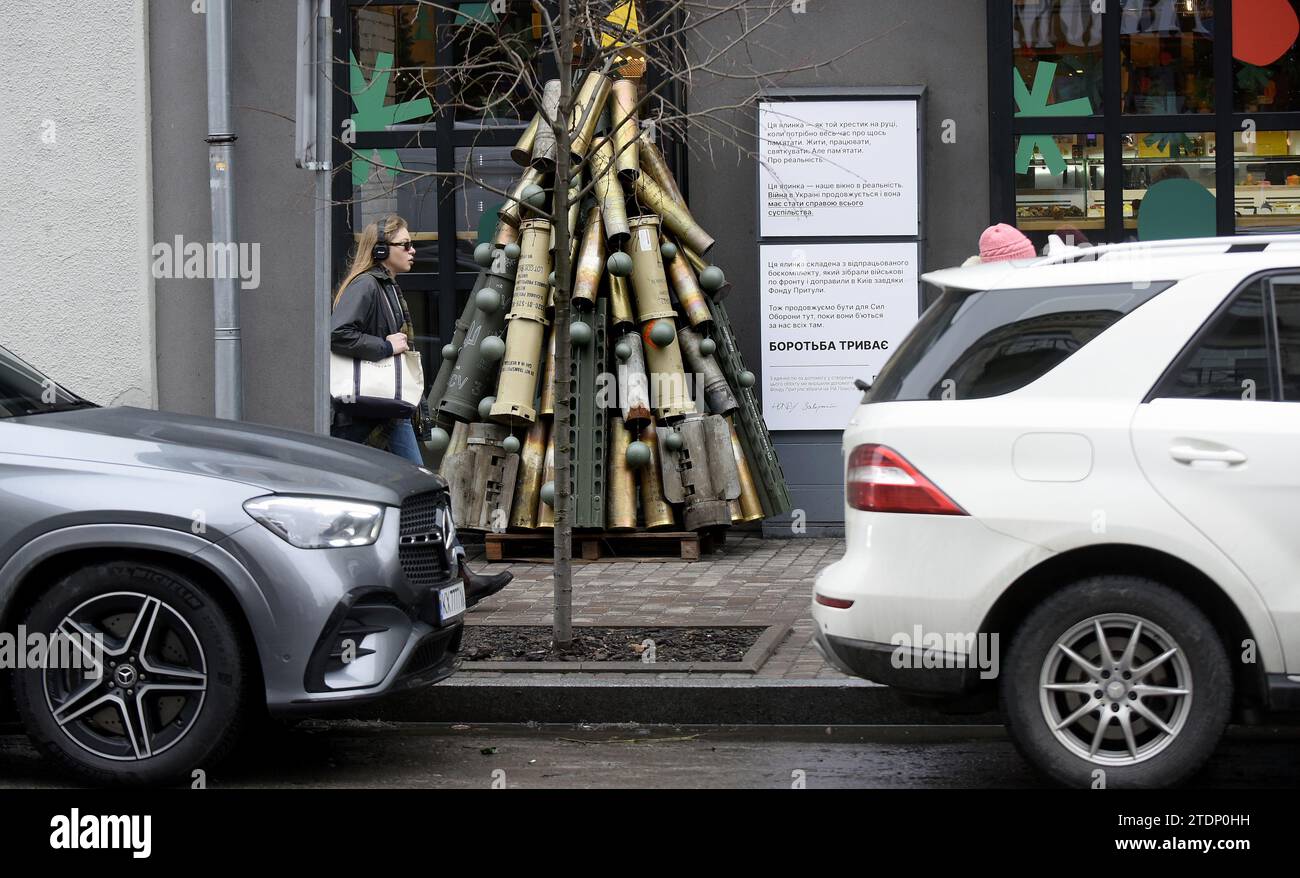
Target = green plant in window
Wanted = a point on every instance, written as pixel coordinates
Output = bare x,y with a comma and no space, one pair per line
1034,103
374,113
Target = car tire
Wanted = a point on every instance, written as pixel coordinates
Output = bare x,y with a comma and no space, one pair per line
1043,686
172,661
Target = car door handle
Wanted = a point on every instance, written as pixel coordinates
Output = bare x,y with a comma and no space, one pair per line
1191,454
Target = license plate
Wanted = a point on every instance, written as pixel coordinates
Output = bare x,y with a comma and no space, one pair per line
451,602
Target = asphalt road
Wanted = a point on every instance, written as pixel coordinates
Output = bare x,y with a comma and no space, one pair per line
372,754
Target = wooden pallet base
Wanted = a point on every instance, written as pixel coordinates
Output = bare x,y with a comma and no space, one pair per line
603,545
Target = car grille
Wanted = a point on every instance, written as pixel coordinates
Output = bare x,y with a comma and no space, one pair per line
420,549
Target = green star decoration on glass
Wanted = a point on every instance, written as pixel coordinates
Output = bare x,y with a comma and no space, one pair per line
374,114
1176,144
1034,103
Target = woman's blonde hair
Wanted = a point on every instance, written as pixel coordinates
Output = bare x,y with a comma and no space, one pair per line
362,261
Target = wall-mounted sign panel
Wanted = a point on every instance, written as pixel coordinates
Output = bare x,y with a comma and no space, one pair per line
838,168
830,313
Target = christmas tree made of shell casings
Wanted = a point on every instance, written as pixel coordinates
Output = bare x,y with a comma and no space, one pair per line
665,430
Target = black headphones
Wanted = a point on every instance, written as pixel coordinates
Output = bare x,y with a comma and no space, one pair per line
379,252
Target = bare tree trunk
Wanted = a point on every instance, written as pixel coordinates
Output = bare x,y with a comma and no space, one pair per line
563,568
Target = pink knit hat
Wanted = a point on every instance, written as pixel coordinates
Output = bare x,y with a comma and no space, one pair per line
1005,242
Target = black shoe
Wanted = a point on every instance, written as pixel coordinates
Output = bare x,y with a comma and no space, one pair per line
479,586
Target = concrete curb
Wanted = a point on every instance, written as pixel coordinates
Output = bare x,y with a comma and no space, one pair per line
585,698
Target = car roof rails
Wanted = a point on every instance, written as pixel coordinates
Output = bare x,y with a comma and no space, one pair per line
1058,251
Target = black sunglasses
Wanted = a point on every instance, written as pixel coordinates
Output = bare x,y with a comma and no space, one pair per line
405,245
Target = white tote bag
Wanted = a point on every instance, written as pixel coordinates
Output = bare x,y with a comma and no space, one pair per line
388,388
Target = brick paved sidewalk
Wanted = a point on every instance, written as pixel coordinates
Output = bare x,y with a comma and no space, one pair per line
750,581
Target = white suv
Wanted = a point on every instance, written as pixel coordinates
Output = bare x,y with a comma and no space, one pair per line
1076,486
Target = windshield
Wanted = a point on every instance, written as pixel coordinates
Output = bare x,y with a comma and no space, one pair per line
25,391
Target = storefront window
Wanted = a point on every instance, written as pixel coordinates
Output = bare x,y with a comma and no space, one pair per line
1064,189
1266,174
412,194
1266,60
393,52
492,56
1167,56
1152,159
1057,51
483,169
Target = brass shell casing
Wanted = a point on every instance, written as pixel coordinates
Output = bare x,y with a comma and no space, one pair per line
668,392
626,130
505,234
653,163
655,510
546,514
633,385
716,390
621,505
587,108
522,152
751,507
591,260
532,287
512,213
649,284
517,384
532,460
676,217
620,302
609,194
688,291
547,404
544,144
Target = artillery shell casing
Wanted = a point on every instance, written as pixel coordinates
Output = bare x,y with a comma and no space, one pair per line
717,392
609,194
655,510
649,284
586,113
447,367
505,234
591,260
532,460
532,284
688,291
669,396
522,153
473,377
654,164
621,505
676,217
517,385
547,404
620,302
633,385
627,130
737,511
544,144
751,507
513,212
545,513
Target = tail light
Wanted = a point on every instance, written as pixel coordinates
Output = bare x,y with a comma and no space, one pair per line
881,480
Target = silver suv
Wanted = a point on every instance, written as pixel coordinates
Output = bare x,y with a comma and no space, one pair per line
162,576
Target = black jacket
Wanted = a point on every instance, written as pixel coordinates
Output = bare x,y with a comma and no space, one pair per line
366,314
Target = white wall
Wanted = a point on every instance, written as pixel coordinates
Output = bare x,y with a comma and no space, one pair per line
76,293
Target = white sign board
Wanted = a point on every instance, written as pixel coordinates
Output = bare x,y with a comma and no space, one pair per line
838,168
831,313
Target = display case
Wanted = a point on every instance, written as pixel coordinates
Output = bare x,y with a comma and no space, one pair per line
1048,198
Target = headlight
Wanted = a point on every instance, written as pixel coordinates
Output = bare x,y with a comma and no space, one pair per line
318,522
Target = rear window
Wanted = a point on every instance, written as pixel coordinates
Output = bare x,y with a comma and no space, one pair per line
973,344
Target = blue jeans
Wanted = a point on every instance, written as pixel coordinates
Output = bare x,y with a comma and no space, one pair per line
401,441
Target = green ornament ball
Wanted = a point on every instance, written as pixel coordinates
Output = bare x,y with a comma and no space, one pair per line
708,347
512,250
492,348
638,454
712,278
449,352
510,445
674,441
485,406
483,254
663,333
619,264
534,195
439,439
668,250
623,350
746,379
579,334
487,301
548,493
550,278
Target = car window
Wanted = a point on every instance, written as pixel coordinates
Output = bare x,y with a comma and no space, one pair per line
1230,359
25,391
972,344
1286,305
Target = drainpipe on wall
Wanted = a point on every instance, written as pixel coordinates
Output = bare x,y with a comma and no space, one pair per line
228,368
